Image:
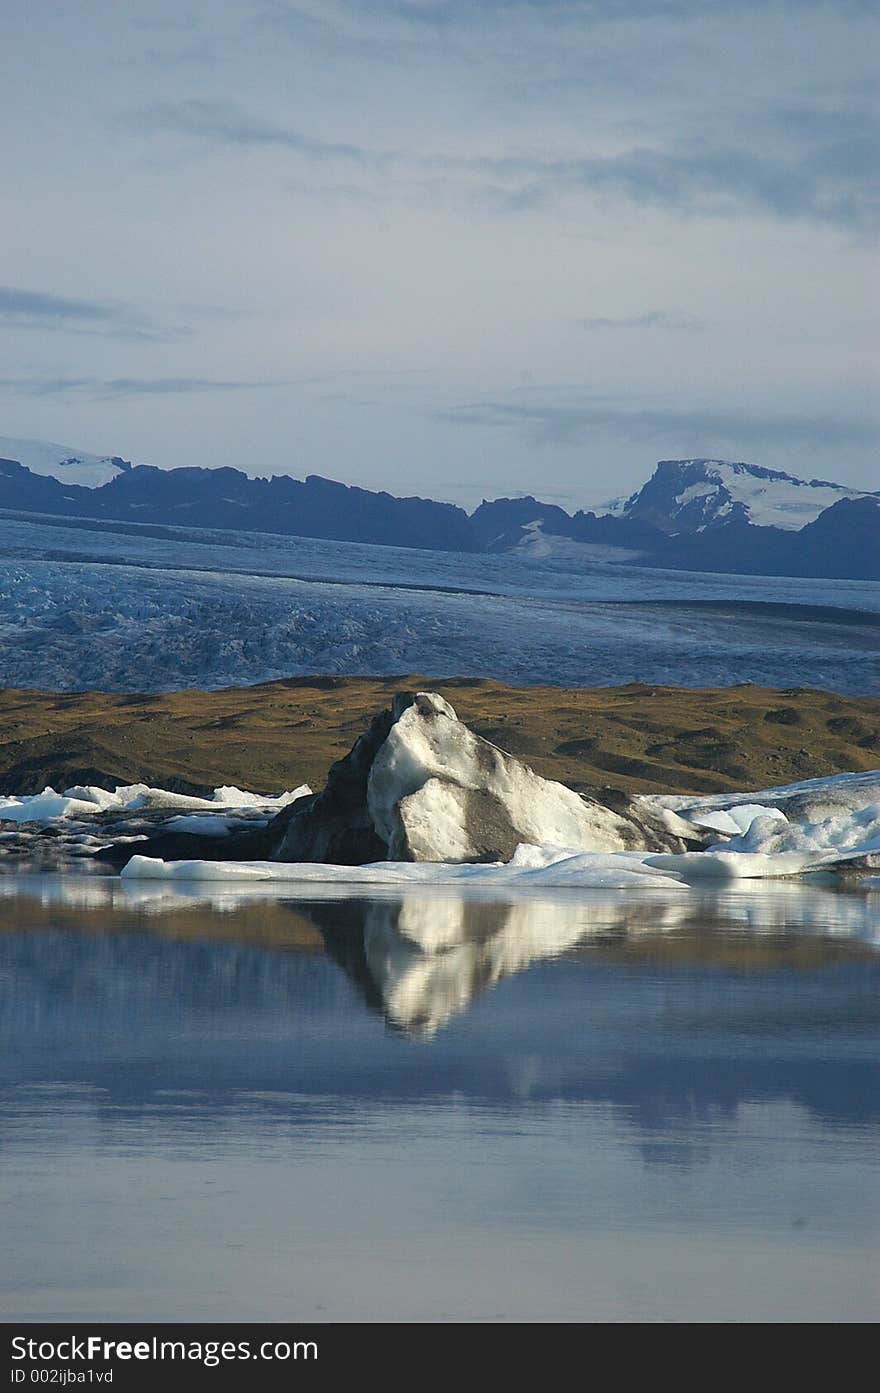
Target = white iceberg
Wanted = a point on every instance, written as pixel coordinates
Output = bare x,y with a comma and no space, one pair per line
733,821
88,800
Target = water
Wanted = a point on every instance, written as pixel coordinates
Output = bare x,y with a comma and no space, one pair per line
580,1106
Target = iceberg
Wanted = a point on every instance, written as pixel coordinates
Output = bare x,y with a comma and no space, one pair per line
422,800
420,786
772,846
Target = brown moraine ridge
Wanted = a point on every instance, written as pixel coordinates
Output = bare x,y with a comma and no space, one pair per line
274,736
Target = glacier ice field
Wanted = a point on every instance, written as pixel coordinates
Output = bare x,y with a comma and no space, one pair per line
132,609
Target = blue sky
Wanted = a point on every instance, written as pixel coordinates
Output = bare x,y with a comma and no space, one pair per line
458,249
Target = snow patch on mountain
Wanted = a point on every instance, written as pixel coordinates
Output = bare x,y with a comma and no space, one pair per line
693,494
62,462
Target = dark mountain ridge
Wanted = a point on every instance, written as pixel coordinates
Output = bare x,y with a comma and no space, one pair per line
229,499
690,515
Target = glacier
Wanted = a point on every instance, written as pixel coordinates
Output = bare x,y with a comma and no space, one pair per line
87,607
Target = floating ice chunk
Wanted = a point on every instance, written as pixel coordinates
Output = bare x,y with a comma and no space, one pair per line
843,832
591,870
86,800
42,807
733,821
816,818
90,793
580,870
138,796
436,791
837,792
202,824
600,870
153,868
733,865
532,866
231,797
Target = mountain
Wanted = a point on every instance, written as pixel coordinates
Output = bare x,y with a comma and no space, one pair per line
693,495
227,498
842,543
500,524
695,514
63,463
705,515
536,528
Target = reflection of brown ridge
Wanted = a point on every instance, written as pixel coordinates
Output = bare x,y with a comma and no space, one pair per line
735,951
280,734
282,926
263,924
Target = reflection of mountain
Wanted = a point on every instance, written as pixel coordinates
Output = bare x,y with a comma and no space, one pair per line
669,1027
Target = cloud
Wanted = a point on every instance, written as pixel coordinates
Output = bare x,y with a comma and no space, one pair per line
106,389
199,52
103,389
652,319
352,20
645,75
38,309
824,170
333,29
38,305
226,124
546,423
165,386
813,184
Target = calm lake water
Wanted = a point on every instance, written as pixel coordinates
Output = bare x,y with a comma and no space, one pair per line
578,1106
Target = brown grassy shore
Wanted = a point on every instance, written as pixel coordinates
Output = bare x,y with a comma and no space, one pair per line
279,734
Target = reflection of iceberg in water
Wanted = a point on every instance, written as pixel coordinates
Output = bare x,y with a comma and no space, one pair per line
425,959
429,960
667,1006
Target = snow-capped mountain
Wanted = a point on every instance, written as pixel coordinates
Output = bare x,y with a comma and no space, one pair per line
61,462
691,495
703,515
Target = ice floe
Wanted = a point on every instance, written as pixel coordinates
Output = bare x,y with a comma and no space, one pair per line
818,825
87,800
756,841
793,827
595,870
733,821
810,796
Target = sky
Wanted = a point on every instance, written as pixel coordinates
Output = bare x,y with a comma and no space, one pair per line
458,248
